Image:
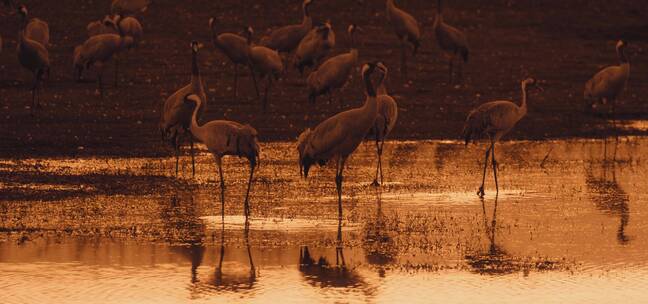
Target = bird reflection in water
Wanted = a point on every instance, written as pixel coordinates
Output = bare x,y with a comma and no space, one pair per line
379,246
234,281
321,273
608,196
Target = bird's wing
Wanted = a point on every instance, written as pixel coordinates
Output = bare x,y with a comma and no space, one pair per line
450,37
389,110
606,83
326,137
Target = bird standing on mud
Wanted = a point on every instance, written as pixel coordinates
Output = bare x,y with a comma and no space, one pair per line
266,62
406,29
223,137
285,39
451,41
33,40
339,136
175,119
494,119
315,46
334,73
235,47
385,122
606,86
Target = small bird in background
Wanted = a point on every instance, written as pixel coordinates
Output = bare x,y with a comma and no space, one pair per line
266,62
494,119
286,39
334,73
223,137
314,47
33,40
339,136
176,115
451,41
607,85
235,47
406,29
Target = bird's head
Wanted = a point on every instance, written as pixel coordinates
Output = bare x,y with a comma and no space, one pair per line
248,145
192,100
212,22
109,22
532,82
621,43
22,10
302,141
195,46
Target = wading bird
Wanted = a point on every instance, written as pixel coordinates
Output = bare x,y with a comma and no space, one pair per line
385,122
338,136
103,26
175,118
494,119
266,62
96,51
285,39
223,137
406,29
451,41
316,45
235,47
334,73
33,39
607,85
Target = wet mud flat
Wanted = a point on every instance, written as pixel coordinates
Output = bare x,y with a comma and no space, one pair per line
509,41
567,225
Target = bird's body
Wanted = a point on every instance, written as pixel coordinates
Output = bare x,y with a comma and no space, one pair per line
450,40
235,47
494,119
406,29
175,119
267,63
384,124
223,137
33,40
334,73
99,27
96,52
315,46
129,7
285,39
606,85
338,136
129,26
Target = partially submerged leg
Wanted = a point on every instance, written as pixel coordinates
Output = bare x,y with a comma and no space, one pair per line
480,192
375,181
338,184
494,166
193,162
246,205
380,151
222,185
176,145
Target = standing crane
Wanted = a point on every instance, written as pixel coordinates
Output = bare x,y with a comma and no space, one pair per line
339,136
494,119
33,39
451,41
266,62
607,85
334,73
315,46
223,137
385,122
175,119
285,39
235,47
406,29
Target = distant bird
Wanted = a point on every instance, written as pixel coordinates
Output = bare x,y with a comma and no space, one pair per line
315,46
33,39
451,41
103,26
406,29
96,52
129,26
285,39
494,119
235,47
129,7
338,136
223,137
334,73
266,62
385,122
175,118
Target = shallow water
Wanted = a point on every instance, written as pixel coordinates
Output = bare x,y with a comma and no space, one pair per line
567,226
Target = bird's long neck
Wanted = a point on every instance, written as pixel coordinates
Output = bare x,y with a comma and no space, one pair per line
439,17
195,129
390,5
370,107
523,107
306,20
382,88
195,72
622,55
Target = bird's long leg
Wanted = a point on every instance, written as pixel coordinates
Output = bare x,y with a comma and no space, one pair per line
116,71
247,244
265,97
616,130
177,151
480,192
193,162
34,94
494,166
222,186
339,249
380,152
236,80
450,66
375,181
338,183
247,194
256,86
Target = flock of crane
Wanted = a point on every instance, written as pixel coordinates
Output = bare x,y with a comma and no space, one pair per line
302,46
